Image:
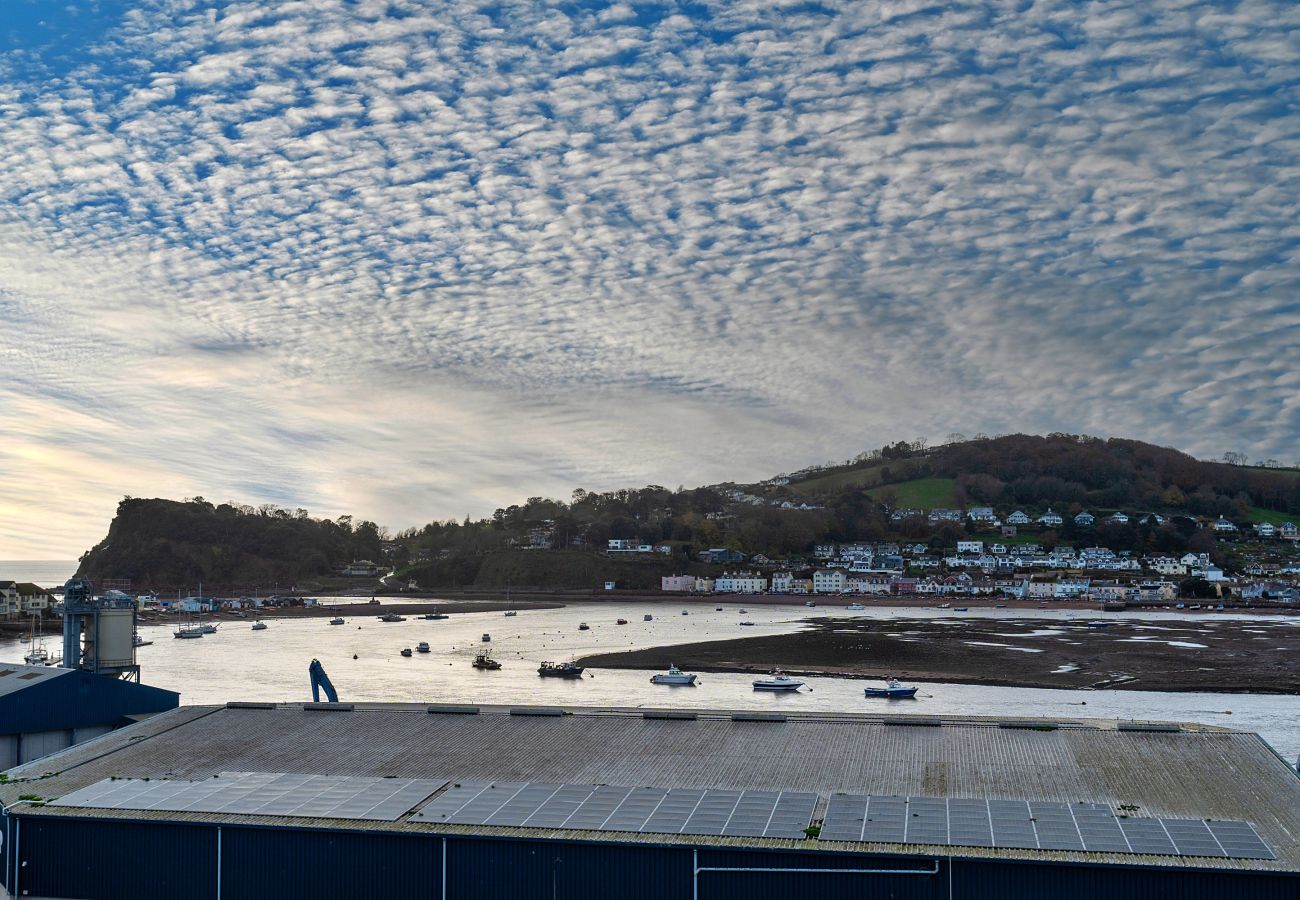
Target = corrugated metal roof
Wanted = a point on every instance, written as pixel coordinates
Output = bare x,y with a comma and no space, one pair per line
15,677
1182,774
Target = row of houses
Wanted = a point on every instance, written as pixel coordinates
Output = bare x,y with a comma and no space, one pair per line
19,598
984,515
838,581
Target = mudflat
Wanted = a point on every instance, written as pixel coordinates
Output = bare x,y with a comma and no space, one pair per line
1215,655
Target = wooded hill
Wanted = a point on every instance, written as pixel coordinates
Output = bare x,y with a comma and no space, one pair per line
549,543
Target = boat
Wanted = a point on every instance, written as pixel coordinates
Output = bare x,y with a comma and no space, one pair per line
944,605
208,629
743,611
435,615
855,606
583,626
189,632
747,622
485,661
777,681
1098,624
674,675
559,670
372,602
259,625
391,617
486,637
511,612
37,656
337,620
961,609
622,621
810,603
137,641
893,689
406,651
422,647
647,618
717,609
686,612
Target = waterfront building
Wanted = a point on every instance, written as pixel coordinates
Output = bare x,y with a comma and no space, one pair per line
471,801
740,583
677,583
829,581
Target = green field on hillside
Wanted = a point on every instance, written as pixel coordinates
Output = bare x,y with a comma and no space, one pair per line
1271,515
923,493
868,476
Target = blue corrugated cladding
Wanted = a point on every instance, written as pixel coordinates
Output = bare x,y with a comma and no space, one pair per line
77,858
327,865
86,859
522,870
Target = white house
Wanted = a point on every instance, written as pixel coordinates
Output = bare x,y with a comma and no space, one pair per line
783,582
703,585
938,514
824,551
981,514
829,581
1117,519
998,549
1266,529
740,583
1071,587
1223,525
1084,519
1288,531
1017,518
1050,518
970,546
1041,590
1166,565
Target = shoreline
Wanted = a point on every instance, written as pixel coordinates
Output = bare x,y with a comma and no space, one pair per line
1185,657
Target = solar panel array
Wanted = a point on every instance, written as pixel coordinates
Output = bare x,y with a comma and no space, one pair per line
262,794
1032,825
774,814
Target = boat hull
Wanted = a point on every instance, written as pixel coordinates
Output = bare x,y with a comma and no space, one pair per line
558,673
778,686
891,693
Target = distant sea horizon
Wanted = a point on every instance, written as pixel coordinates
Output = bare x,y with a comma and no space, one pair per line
47,573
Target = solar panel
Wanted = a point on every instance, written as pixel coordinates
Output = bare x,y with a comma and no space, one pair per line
1021,824
612,808
262,794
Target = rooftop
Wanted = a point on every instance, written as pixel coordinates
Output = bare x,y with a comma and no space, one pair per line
1151,770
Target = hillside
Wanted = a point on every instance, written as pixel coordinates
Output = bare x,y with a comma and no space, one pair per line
554,543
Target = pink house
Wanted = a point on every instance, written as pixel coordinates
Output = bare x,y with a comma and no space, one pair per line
677,583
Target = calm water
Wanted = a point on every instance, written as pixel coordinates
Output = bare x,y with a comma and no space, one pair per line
240,664
47,573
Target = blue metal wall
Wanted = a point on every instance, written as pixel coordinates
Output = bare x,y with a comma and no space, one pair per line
79,858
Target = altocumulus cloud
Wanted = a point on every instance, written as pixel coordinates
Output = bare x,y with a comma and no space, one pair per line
415,259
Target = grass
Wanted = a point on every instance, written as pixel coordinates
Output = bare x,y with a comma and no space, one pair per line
867,475
1271,515
923,493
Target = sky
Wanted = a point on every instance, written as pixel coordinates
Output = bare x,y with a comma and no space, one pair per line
417,260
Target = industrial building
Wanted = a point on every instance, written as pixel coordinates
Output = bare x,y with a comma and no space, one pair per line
328,800
44,709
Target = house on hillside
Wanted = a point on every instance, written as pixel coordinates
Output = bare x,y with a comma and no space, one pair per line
721,555
1050,519
1084,519
981,514
1266,529
939,514
1152,519
1288,531
1223,526
824,551
1017,518
361,568
1117,519
970,546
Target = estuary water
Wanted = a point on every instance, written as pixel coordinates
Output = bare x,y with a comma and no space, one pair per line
237,663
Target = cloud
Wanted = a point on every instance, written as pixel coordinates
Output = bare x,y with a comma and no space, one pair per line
416,259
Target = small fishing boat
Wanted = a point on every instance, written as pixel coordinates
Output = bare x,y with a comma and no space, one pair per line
647,618
485,661
435,615
486,637
743,611
559,670
810,603
717,609
961,609
686,612
422,647
406,651
259,625
855,606
391,617
674,675
622,621
777,681
337,620
893,689
511,612
137,641
747,622
583,626
208,629
944,605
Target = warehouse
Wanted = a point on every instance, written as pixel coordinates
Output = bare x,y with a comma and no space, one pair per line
44,709
357,800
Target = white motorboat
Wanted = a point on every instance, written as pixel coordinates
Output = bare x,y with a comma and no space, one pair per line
777,681
486,637
422,647
855,606
674,675
259,625
810,603
511,612
137,641
337,620
686,612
